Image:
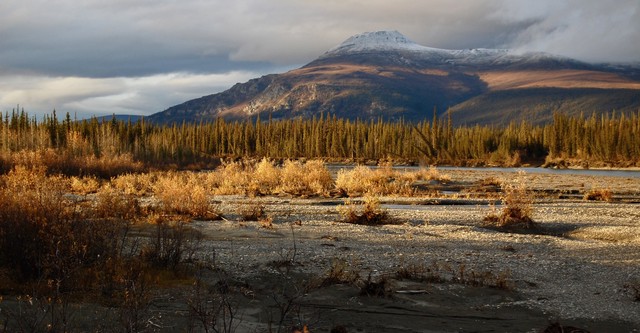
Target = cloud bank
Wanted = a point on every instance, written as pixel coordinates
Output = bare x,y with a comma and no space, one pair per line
142,56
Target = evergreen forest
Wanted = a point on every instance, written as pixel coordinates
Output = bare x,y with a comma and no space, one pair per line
608,140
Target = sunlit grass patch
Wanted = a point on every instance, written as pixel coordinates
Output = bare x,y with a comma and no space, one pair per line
517,208
184,193
368,213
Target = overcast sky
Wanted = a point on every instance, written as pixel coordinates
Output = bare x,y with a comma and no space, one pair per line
97,57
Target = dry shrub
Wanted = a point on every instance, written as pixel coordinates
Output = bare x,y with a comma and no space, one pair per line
599,195
264,179
432,173
518,207
66,163
234,177
172,243
379,288
266,222
310,178
317,177
382,181
369,213
138,184
339,273
43,236
475,278
113,203
357,181
84,185
251,212
107,166
440,272
414,272
182,193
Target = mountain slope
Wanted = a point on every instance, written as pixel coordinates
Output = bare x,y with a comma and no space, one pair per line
384,74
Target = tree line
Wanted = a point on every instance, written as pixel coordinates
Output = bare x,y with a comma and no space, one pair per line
595,140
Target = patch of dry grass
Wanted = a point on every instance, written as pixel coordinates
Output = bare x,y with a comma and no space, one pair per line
518,207
264,178
111,202
253,211
45,236
384,180
69,164
232,178
432,173
340,272
368,213
138,184
184,193
599,195
84,185
310,178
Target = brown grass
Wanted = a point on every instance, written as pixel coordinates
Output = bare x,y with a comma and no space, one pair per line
84,185
599,195
45,236
183,193
252,212
113,203
384,180
518,207
310,178
138,184
65,163
232,178
339,273
368,213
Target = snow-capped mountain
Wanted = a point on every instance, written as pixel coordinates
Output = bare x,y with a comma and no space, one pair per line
385,74
392,43
378,41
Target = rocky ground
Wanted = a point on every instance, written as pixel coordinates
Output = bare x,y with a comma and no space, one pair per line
442,271
435,269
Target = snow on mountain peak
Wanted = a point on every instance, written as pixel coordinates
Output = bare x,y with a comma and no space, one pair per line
395,42
377,40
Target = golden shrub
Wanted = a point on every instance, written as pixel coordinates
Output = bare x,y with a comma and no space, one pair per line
234,178
182,193
310,178
84,185
368,213
265,178
138,184
517,208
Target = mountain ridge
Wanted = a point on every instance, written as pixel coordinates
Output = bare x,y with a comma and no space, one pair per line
386,75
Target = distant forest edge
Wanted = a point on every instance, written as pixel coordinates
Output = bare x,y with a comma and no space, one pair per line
75,147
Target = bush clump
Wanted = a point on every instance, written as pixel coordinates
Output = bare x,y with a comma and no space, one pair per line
517,208
368,213
384,180
599,195
184,194
44,236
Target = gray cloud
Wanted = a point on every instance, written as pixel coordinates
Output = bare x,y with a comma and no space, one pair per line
84,55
